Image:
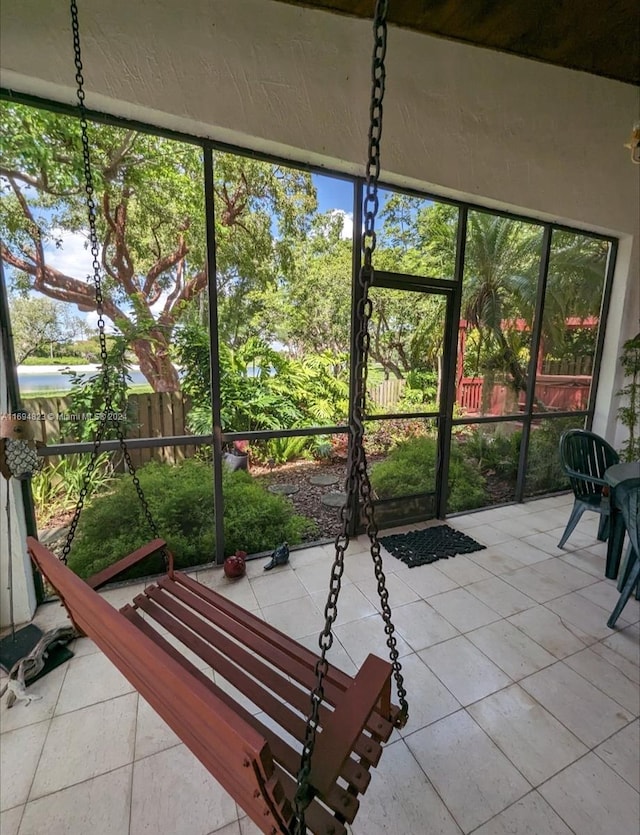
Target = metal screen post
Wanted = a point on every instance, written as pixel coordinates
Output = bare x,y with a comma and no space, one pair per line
445,425
214,354
536,335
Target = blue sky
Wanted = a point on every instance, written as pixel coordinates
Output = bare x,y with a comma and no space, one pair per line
333,194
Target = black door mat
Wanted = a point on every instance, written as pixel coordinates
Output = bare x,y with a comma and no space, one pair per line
429,544
15,647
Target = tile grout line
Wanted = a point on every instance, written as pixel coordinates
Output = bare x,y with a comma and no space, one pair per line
594,751
571,765
133,763
75,785
426,776
593,683
519,800
518,684
44,742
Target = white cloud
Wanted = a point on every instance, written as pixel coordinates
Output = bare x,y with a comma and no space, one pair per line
347,225
347,222
68,252
91,318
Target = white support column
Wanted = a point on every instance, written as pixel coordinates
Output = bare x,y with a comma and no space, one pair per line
13,534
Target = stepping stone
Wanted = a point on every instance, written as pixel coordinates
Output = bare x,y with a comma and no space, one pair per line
334,499
323,480
53,535
283,489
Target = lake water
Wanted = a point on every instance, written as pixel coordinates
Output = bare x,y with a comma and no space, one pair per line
34,378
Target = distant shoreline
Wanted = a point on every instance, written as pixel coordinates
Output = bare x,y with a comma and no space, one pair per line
35,379
57,369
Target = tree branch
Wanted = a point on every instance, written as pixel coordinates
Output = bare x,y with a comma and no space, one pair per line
56,285
168,305
106,266
110,171
17,262
121,269
190,289
24,178
39,184
164,264
34,229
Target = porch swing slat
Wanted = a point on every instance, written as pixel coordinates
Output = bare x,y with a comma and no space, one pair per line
335,678
213,646
336,682
354,774
280,650
239,666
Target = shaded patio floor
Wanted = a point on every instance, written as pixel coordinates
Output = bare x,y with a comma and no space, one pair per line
524,705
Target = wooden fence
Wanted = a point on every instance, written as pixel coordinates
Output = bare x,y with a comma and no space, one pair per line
558,393
573,367
387,393
153,415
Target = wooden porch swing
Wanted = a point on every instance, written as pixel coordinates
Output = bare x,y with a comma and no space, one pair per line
295,748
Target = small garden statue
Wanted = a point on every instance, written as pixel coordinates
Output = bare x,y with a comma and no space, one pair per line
279,557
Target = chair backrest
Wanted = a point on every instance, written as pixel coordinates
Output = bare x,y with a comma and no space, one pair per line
628,500
588,454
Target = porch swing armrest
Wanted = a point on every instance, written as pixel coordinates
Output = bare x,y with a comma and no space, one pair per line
371,687
112,571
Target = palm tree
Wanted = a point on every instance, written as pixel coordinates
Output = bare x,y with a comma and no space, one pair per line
500,279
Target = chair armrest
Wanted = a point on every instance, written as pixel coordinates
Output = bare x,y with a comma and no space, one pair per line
583,477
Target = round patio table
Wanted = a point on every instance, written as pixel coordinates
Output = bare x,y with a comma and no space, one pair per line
614,477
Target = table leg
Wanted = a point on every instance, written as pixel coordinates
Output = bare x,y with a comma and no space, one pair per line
614,543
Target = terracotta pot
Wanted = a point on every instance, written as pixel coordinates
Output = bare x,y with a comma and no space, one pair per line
235,565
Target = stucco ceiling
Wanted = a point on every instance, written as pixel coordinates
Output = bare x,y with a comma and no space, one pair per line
596,36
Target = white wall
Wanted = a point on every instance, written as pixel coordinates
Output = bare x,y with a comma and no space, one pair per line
460,121
13,534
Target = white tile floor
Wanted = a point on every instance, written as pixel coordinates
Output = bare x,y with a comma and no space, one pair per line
524,705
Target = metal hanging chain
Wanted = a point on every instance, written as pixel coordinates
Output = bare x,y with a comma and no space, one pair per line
106,414
357,482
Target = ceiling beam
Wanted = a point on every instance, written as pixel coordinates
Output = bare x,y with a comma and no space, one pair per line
601,37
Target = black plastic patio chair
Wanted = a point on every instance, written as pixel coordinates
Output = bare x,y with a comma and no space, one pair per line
584,457
628,501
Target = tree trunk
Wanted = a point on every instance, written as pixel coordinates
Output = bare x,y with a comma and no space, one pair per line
518,375
156,365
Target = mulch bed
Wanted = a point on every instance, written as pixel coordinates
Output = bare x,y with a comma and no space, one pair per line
307,500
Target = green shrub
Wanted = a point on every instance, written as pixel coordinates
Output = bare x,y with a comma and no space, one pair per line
55,487
281,450
544,471
421,389
382,436
410,468
181,502
493,452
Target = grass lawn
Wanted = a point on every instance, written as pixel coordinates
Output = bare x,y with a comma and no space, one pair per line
136,388
56,361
